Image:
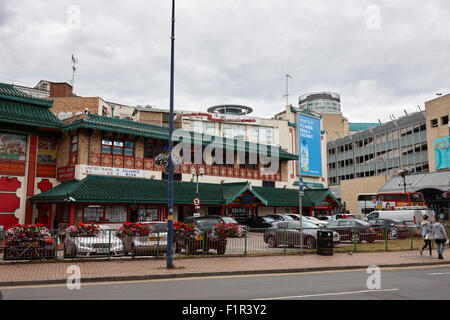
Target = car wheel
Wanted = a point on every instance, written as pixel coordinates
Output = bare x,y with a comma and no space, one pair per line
220,251
271,242
310,243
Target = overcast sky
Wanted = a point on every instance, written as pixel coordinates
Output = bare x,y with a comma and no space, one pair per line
381,56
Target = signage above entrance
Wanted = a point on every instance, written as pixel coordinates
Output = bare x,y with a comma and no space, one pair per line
108,171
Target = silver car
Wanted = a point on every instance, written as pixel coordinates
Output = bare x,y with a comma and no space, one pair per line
152,244
107,243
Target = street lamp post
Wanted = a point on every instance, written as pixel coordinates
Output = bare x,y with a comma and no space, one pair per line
403,173
169,254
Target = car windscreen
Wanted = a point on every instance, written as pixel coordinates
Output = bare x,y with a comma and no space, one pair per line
362,223
206,223
229,220
159,227
268,219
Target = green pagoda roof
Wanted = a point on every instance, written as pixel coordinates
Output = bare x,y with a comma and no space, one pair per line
103,189
17,107
94,121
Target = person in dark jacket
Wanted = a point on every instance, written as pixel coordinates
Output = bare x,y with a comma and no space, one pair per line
440,237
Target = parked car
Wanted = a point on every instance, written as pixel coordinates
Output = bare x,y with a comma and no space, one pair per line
409,216
207,222
106,243
228,219
153,244
289,232
396,229
341,216
349,229
261,222
281,217
326,218
314,220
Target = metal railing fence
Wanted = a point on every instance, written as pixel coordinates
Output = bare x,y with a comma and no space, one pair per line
253,241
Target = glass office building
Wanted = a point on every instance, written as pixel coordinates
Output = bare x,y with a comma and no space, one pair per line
381,150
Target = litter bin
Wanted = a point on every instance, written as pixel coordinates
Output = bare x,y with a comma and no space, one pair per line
325,242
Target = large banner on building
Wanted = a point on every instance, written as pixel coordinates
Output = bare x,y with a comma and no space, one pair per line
442,153
309,145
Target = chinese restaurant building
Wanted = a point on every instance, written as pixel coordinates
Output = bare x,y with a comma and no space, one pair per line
29,134
92,168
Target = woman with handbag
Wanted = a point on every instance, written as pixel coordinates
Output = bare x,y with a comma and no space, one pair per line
440,237
427,235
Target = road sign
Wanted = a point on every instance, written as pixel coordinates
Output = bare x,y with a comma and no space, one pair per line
301,193
196,201
300,183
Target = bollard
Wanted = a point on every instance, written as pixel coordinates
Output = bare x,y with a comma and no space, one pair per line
109,244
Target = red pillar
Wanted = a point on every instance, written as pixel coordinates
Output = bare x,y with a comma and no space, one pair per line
223,210
72,210
31,176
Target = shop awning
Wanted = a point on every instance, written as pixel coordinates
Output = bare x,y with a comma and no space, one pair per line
417,182
103,189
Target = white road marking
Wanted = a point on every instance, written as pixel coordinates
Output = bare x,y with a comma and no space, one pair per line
438,273
327,294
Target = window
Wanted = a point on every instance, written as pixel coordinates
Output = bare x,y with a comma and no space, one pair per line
234,131
148,213
129,149
444,120
118,147
434,123
93,214
74,147
106,145
116,214
203,127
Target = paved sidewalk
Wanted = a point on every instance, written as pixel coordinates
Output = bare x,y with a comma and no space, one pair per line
139,269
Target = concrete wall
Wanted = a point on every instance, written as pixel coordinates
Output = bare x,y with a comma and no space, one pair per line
436,109
351,188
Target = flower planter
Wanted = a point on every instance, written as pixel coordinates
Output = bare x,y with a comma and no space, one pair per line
191,245
24,249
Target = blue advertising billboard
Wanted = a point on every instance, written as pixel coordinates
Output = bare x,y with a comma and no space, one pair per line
309,145
442,153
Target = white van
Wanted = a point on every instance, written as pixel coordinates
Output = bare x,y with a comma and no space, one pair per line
409,216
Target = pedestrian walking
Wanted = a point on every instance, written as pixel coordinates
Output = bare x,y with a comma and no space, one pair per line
440,237
427,234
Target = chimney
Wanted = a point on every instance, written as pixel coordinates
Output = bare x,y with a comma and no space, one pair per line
60,90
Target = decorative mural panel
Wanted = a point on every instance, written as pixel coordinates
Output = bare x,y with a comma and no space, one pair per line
94,159
223,171
230,172
148,164
236,173
65,173
13,146
14,168
139,163
46,170
129,162
107,160
47,150
118,161
216,170
209,170
242,173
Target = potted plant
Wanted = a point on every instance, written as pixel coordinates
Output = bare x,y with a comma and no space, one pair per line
23,241
83,230
187,236
135,235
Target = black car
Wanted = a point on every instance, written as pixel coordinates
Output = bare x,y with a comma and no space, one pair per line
261,222
206,223
350,229
396,229
281,217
